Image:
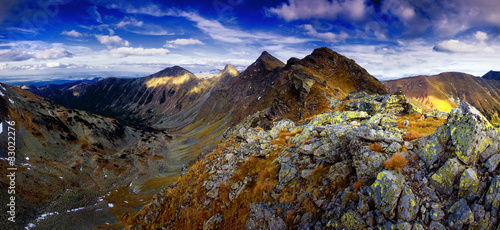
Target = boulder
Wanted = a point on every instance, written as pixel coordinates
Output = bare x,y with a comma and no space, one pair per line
352,220
493,162
407,205
368,164
444,179
386,191
459,215
492,200
471,133
469,183
431,150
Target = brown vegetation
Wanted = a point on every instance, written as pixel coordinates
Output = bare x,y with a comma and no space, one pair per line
376,147
396,162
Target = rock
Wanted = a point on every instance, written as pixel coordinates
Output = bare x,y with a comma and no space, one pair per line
417,226
406,123
306,173
398,226
493,162
431,149
285,124
436,214
407,205
306,221
368,164
444,179
469,183
287,173
470,132
262,217
339,172
352,220
385,192
372,135
213,222
492,200
414,109
436,226
393,147
459,215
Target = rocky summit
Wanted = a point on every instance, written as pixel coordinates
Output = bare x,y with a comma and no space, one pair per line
354,167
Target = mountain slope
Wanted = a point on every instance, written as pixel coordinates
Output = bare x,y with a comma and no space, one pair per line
340,170
68,159
446,90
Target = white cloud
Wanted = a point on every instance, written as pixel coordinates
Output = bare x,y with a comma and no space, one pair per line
52,53
456,46
481,36
37,53
111,40
238,53
182,42
129,51
328,36
320,9
72,33
129,22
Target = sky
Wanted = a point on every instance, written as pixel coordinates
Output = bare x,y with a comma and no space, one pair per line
64,39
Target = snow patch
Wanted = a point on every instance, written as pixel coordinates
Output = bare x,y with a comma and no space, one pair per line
75,209
11,101
27,158
111,205
1,127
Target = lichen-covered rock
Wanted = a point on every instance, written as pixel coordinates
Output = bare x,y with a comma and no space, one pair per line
287,172
368,134
431,149
444,179
352,220
385,192
284,124
470,132
339,172
469,183
262,217
436,226
492,200
459,215
435,114
368,164
398,226
213,222
414,109
407,205
493,162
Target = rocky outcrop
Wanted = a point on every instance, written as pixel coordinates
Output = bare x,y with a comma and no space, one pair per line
325,173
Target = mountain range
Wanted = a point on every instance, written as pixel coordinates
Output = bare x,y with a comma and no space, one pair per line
97,151
446,90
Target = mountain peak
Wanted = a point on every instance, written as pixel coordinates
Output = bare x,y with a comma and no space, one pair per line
493,75
228,71
269,61
173,71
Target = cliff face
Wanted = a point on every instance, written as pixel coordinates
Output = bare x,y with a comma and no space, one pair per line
357,167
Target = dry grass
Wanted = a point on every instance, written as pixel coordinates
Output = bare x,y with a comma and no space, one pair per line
396,162
376,147
418,128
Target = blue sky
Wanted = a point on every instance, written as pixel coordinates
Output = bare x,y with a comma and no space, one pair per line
43,40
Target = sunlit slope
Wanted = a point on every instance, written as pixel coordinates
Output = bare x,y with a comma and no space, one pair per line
446,90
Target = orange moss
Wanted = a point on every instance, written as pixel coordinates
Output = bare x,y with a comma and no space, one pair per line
396,162
357,185
412,136
376,147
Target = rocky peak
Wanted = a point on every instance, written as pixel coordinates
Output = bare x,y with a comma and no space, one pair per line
229,71
268,61
174,71
493,75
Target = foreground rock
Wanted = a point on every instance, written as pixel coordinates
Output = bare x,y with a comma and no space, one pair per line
342,170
